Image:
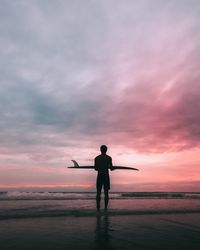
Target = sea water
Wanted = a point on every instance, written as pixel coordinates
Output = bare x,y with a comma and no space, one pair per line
14,204
62,220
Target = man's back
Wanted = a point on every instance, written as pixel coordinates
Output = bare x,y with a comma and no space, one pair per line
102,163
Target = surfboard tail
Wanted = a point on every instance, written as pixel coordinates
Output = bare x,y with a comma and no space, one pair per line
75,163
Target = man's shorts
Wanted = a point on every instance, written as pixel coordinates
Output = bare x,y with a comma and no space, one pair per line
103,180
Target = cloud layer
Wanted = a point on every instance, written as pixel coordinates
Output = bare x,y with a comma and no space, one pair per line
77,74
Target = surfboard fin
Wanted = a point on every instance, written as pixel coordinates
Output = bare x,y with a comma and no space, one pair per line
75,163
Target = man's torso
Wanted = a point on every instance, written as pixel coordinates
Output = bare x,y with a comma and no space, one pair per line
102,163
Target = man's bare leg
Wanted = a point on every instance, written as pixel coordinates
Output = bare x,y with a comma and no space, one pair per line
98,198
106,199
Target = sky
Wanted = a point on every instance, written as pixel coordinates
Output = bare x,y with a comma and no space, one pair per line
78,74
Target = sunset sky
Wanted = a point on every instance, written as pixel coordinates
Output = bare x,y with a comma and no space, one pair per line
77,74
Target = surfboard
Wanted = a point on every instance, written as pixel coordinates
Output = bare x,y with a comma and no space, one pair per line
76,166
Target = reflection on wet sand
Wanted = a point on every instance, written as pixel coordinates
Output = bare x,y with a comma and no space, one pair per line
103,232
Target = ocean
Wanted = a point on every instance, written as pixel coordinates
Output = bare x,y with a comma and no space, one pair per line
14,204
135,220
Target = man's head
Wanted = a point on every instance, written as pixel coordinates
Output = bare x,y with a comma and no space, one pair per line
103,149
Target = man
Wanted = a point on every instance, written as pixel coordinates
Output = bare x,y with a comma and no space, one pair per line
103,163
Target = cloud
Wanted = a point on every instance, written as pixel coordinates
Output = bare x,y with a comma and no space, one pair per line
151,118
76,74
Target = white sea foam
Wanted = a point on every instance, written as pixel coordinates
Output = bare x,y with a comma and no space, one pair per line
22,195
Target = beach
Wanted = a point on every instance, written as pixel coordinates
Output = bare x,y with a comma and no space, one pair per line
70,221
164,231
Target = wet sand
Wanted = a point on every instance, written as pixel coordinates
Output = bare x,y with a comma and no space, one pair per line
160,231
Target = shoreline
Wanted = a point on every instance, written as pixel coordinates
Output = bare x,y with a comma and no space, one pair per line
93,213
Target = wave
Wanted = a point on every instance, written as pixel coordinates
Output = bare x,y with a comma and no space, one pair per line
169,195
23,195
19,195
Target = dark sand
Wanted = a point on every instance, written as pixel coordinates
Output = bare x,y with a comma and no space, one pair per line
164,231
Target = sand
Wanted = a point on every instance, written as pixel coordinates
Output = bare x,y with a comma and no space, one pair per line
153,231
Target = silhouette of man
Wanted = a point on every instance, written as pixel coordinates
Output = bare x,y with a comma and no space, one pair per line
103,163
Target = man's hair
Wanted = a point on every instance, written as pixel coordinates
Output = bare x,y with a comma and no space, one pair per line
103,149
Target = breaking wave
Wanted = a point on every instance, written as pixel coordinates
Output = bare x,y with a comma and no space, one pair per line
23,195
